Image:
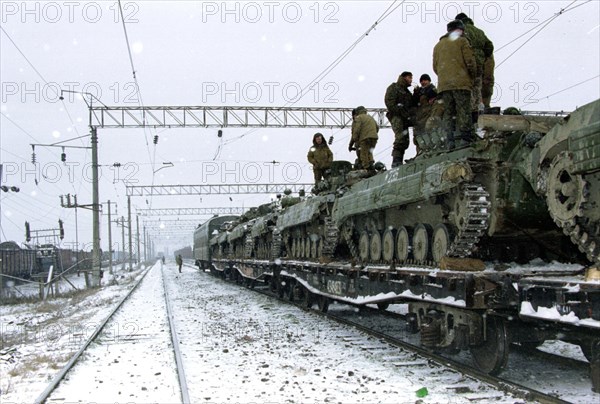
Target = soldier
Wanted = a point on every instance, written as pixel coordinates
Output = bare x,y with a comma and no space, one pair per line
455,65
487,86
364,134
320,156
399,103
424,98
483,49
179,262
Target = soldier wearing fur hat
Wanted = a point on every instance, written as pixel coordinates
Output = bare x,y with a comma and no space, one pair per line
320,156
455,65
424,98
399,103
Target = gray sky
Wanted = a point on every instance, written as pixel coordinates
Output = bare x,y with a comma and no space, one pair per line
246,54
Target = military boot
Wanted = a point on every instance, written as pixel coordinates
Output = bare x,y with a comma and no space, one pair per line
397,160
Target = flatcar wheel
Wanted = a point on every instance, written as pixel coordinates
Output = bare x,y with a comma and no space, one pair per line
441,242
323,304
422,242
307,247
387,247
314,247
375,246
363,246
307,299
291,290
294,248
403,243
491,355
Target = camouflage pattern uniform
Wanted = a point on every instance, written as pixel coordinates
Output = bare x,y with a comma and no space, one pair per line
483,48
364,134
399,103
424,98
455,65
487,88
320,156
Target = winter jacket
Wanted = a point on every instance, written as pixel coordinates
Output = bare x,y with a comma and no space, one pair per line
398,100
364,127
454,64
482,47
320,156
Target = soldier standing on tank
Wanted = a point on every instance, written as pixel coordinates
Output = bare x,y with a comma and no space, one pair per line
364,135
487,85
399,103
455,65
483,49
424,98
320,156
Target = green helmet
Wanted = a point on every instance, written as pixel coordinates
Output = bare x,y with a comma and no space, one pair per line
511,111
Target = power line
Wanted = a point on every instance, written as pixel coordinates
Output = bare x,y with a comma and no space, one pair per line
335,63
545,24
567,88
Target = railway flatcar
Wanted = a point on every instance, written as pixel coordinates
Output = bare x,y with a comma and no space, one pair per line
442,233
202,237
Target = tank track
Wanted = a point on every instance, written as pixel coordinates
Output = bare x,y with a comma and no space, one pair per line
583,230
331,238
277,243
573,202
476,217
248,247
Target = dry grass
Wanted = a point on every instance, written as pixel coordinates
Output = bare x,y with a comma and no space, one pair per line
39,362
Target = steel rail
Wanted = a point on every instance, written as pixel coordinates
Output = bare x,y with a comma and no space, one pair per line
507,386
185,396
63,372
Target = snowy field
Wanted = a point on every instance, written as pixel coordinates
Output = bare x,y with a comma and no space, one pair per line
237,347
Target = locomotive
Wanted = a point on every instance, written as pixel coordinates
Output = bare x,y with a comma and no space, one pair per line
441,233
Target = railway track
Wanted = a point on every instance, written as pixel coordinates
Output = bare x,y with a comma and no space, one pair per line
396,337
108,360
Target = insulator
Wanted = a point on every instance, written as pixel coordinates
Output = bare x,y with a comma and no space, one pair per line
32,158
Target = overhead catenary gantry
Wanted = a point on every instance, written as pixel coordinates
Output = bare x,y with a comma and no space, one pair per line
227,116
191,211
213,189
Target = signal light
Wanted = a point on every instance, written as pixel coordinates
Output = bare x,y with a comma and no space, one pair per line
63,157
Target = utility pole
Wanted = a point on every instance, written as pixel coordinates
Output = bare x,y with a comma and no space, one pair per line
96,212
123,240
110,250
129,228
137,225
75,205
145,246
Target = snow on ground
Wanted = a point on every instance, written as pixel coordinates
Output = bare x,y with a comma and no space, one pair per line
133,360
237,346
38,339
